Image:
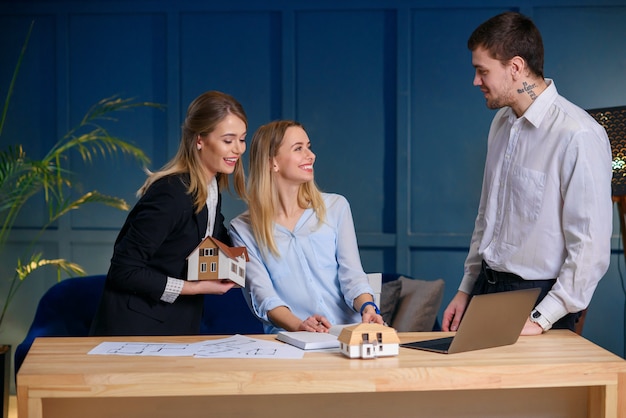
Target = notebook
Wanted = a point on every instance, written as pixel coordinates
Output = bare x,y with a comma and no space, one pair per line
308,340
490,320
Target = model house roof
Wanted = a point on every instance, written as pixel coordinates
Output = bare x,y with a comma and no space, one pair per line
353,334
230,252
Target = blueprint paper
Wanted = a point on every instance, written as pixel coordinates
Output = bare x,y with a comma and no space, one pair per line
237,346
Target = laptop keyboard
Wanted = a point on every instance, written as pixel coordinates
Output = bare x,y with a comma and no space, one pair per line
436,344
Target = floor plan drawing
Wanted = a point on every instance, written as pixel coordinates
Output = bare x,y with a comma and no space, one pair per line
236,346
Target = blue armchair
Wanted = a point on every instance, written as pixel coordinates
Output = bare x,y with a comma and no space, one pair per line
65,310
228,314
68,307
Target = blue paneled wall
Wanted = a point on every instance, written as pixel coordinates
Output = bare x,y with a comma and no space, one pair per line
384,88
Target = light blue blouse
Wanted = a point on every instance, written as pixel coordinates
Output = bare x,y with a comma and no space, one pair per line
318,271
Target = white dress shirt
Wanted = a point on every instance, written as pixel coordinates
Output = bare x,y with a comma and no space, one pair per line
211,204
545,209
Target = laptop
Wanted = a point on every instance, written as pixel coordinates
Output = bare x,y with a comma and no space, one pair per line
490,320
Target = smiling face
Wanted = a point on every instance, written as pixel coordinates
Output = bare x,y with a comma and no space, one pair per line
220,149
493,78
294,160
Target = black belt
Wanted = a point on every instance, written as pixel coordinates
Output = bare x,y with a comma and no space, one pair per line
494,276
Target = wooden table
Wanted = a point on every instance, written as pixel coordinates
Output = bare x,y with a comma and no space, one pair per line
557,374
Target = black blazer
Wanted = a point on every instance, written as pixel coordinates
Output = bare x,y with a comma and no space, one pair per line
158,235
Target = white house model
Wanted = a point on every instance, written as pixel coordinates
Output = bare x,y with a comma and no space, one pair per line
369,341
214,260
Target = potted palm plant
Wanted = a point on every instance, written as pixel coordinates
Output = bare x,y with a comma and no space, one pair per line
22,178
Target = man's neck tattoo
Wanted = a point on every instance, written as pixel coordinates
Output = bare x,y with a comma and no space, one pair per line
528,88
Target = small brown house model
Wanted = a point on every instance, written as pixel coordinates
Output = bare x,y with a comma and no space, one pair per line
369,341
214,260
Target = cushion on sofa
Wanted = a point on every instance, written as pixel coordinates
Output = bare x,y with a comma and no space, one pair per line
411,305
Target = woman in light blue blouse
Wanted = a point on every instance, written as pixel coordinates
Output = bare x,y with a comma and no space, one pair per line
304,273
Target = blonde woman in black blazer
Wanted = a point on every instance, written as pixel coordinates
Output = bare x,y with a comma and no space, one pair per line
145,291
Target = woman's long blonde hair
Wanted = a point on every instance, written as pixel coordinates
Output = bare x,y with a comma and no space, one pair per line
262,194
203,115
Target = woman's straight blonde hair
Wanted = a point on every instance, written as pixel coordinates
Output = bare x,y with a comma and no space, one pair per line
262,196
203,115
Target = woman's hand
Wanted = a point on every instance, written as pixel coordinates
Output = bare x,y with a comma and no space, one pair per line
315,323
282,317
365,304
370,316
207,287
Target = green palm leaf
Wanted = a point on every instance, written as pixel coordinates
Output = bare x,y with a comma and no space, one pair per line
92,197
25,269
22,178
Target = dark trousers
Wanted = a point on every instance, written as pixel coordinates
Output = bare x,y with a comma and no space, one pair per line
491,281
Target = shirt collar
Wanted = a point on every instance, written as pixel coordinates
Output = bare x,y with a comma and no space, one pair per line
540,106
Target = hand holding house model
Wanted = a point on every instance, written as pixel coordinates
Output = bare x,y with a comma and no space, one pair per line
214,260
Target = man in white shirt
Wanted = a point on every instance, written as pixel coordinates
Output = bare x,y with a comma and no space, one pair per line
545,214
